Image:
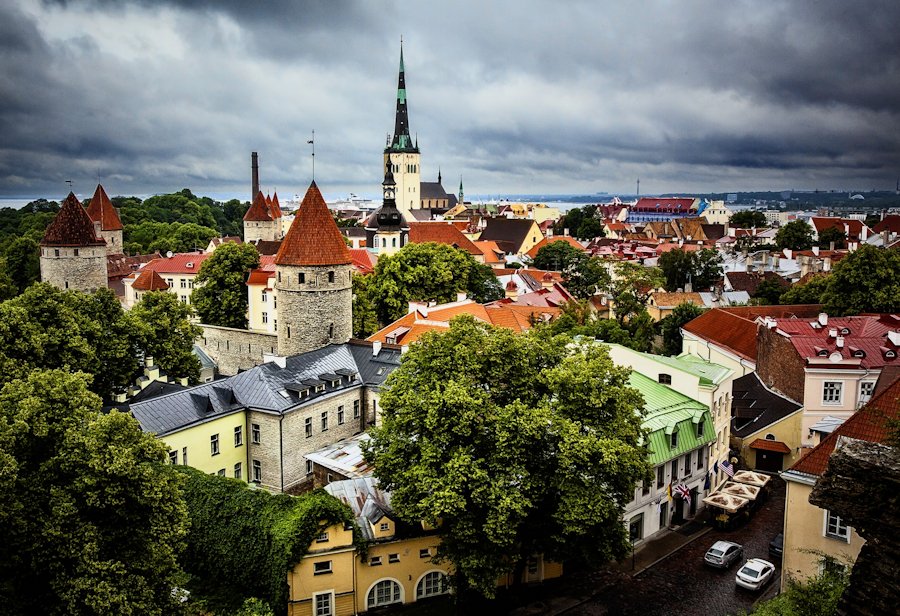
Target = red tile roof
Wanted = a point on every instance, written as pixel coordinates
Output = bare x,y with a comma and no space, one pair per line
890,223
656,204
441,233
180,263
556,238
102,209
313,238
492,253
149,280
867,337
776,446
71,227
363,260
854,228
870,423
735,328
259,210
275,206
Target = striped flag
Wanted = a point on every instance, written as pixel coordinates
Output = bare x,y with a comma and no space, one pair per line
727,467
669,490
683,491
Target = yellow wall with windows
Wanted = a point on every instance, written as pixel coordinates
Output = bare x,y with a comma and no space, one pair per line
805,539
196,440
262,299
787,430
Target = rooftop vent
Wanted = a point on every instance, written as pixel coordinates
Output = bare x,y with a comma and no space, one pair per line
823,318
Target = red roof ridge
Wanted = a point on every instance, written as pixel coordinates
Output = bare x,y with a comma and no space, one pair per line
275,206
314,238
259,210
71,226
101,209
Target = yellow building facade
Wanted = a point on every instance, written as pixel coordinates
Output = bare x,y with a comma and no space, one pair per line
216,447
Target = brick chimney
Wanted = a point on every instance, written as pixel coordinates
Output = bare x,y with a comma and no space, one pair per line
254,169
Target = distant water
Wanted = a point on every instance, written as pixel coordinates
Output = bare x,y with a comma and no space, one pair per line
16,203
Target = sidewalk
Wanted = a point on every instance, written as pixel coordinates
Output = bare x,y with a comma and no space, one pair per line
654,550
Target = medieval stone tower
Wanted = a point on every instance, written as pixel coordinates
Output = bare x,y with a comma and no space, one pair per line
106,221
73,256
403,154
263,221
313,280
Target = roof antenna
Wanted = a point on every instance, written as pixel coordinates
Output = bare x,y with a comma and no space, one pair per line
69,184
312,142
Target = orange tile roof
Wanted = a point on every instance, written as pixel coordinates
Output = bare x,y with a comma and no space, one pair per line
71,227
149,280
275,206
776,446
313,238
663,299
181,263
735,328
490,250
102,209
363,260
549,240
260,277
870,423
259,210
441,233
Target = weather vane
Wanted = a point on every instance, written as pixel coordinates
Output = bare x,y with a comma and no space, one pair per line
312,142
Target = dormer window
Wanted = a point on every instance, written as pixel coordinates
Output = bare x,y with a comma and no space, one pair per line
845,331
673,440
859,353
822,353
665,379
700,429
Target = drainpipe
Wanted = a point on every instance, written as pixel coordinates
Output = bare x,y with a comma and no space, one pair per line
281,450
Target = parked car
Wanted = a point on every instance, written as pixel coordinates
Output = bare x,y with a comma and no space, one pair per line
776,546
755,573
723,554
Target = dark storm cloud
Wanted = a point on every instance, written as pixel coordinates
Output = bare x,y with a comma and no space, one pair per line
515,96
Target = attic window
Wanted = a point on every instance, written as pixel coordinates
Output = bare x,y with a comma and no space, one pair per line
859,353
822,352
284,393
665,379
890,354
673,443
845,331
190,265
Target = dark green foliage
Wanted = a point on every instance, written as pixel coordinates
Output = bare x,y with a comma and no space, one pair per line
810,292
583,223
583,276
365,320
817,596
483,286
243,541
167,334
151,236
557,256
23,262
632,288
29,221
747,219
832,234
220,297
769,291
702,268
670,327
518,443
866,280
92,518
796,235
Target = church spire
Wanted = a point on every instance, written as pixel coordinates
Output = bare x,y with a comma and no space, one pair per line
402,141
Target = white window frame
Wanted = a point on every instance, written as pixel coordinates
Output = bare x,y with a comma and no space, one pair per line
323,571
255,434
845,537
443,582
825,393
316,610
372,604
865,396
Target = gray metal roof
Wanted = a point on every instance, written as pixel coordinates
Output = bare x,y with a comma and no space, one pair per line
344,457
368,502
267,387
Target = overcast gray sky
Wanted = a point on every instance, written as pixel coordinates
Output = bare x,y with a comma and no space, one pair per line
515,96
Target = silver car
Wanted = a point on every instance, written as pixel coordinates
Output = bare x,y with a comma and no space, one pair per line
754,574
723,554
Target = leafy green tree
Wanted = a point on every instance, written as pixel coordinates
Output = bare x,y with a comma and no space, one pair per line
419,272
866,280
631,288
796,235
747,219
483,285
769,291
512,445
818,596
558,256
167,334
707,268
677,266
220,292
810,292
7,286
587,277
93,520
832,234
583,223
23,262
365,319
670,327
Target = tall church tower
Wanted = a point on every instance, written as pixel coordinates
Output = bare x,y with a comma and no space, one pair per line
387,230
403,153
73,256
313,279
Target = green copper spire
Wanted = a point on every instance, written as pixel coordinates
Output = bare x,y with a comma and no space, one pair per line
402,141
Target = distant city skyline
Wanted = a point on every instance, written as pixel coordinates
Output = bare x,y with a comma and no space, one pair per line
526,97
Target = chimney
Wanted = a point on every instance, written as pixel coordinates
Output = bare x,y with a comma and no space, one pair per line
831,246
832,333
254,169
839,342
894,337
815,250
376,348
823,319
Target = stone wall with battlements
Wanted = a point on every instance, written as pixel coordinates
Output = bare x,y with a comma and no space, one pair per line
236,349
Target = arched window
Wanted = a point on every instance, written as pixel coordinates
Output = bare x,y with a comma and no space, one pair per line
330,276
432,584
385,592
770,437
394,242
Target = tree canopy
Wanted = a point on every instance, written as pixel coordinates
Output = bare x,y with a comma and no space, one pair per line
702,268
832,234
796,235
167,333
557,256
747,219
92,519
365,319
581,222
220,291
670,327
810,292
428,272
631,288
866,280
583,276
512,445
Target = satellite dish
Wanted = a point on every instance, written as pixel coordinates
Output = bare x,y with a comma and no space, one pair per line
169,254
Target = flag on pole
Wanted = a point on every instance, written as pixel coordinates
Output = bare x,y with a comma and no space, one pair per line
706,483
683,491
716,467
669,491
728,468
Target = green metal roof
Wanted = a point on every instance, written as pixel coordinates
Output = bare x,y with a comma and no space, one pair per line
708,372
665,411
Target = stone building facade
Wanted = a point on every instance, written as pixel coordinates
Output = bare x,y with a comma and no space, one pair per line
236,349
72,256
107,224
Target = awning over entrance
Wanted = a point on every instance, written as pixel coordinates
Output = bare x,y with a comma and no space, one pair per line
767,445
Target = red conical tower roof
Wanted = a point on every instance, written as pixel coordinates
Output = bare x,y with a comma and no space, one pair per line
149,280
259,210
101,209
275,206
313,238
71,227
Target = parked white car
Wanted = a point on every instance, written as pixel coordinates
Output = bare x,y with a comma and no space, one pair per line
754,574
